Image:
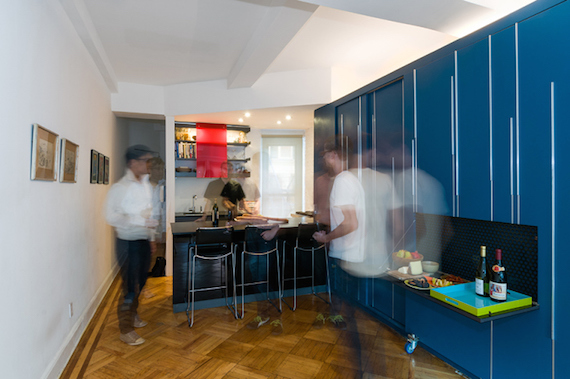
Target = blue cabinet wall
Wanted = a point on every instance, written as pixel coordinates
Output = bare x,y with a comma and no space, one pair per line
473,134
503,125
489,122
435,124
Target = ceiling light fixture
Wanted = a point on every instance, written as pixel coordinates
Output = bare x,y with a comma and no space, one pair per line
240,119
247,114
288,117
279,122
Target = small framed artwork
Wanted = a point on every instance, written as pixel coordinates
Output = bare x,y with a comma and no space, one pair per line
106,178
101,172
94,166
45,149
68,161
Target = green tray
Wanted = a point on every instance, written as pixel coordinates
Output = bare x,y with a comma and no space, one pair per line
463,297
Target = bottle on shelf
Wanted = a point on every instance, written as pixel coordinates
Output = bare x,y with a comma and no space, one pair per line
498,280
215,213
482,274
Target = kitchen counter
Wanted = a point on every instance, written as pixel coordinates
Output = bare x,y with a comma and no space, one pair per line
209,274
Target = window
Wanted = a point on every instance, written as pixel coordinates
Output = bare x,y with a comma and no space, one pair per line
282,175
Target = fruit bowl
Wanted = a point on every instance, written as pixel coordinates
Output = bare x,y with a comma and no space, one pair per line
399,261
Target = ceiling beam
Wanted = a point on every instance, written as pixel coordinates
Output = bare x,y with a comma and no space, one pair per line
283,20
446,16
81,21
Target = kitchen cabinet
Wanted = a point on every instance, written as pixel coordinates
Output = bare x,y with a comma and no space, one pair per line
185,149
503,125
452,335
435,124
473,132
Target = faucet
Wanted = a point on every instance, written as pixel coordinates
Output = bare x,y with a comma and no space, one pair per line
193,204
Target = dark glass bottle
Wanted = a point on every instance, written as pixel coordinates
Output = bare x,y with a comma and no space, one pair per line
498,281
215,213
482,274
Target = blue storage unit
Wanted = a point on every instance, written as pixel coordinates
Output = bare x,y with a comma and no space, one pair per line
503,125
459,339
473,132
511,169
434,122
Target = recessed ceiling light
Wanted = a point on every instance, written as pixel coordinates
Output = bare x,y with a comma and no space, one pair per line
279,122
288,117
240,120
247,114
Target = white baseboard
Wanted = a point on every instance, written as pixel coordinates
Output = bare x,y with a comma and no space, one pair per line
56,367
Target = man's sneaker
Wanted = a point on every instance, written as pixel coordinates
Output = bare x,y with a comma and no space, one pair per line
319,321
138,323
257,322
277,327
338,322
132,338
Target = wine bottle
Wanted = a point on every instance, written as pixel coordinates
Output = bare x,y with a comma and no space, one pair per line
482,274
498,281
215,214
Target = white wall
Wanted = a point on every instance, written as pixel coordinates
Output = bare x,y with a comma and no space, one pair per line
56,246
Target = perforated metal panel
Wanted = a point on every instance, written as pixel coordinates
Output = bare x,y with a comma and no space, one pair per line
460,241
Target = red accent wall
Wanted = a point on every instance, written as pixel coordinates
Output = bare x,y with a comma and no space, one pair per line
211,150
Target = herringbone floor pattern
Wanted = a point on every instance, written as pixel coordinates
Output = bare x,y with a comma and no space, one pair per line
218,346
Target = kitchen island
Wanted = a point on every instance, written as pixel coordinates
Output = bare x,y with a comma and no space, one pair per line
209,273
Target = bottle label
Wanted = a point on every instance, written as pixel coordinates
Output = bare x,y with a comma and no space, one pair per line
497,268
498,291
479,287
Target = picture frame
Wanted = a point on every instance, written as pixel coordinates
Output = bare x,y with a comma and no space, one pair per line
107,173
94,166
45,152
101,170
69,161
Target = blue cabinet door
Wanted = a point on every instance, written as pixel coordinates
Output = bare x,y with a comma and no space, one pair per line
392,159
503,110
463,341
348,124
434,121
382,296
473,132
544,80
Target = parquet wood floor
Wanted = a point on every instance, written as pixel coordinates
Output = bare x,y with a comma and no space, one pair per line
218,346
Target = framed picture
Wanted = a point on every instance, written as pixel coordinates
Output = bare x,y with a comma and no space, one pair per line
106,179
68,161
94,166
101,172
45,149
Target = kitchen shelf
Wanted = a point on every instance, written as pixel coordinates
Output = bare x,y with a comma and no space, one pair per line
184,174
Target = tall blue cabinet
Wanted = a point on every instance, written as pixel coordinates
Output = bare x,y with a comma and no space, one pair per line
487,118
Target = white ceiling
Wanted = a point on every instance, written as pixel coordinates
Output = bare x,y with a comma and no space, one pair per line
168,42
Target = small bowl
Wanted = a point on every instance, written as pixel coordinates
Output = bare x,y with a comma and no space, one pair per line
430,266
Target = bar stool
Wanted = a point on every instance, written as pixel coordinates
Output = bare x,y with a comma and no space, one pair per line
255,245
212,244
305,243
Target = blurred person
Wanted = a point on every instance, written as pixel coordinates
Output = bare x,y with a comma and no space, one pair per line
131,211
233,196
213,192
380,203
252,194
347,232
156,179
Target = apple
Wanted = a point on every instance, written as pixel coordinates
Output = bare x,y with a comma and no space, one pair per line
415,255
401,253
408,255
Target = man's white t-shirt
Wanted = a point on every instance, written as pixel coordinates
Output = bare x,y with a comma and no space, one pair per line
347,190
